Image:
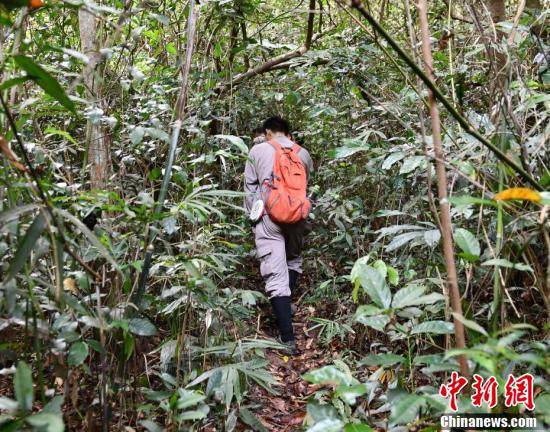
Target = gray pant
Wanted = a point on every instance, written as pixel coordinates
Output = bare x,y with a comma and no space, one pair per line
279,250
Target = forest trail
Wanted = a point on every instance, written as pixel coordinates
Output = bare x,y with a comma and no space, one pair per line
286,410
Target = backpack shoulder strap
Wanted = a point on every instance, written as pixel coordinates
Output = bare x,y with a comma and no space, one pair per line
296,148
275,145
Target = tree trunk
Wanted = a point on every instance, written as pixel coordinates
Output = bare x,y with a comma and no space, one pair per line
97,155
445,217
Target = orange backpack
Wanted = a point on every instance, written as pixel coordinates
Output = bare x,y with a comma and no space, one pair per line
287,202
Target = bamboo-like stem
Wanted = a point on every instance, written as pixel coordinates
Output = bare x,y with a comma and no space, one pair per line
468,128
444,207
176,130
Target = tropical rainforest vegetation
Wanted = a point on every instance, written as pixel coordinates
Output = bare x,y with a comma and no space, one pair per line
130,298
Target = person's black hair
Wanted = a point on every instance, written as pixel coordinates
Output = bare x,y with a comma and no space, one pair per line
257,131
277,124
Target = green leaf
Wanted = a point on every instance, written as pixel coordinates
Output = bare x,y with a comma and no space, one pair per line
382,359
357,427
372,316
62,133
317,412
468,243
46,422
54,405
327,425
22,383
465,200
236,141
328,375
77,353
26,246
251,420
137,134
435,327
470,324
375,286
407,295
13,82
406,409
191,415
349,394
542,405
393,276
151,426
392,158
142,327
44,80
14,213
188,398
500,262
9,405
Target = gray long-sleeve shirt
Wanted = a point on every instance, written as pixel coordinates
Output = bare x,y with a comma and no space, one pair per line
259,167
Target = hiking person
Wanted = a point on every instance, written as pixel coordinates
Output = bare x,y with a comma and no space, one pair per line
276,176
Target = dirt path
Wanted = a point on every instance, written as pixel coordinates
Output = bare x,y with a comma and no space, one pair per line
286,410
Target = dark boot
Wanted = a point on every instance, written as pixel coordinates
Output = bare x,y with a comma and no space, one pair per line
283,316
293,279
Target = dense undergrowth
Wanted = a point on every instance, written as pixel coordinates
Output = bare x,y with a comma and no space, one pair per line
80,350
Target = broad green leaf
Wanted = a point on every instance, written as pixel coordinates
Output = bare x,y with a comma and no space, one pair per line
137,134
431,237
317,412
192,415
251,420
327,425
542,405
357,427
54,405
375,286
381,267
328,375
151,426
236,141
349,394
402,239
382,359
46,422
435,327
22,384
468,243
470,324
142,327
411,163
405,410
407,295
26,246
188,398
44,80
371,316
391,159
8,405
77,353
500,262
